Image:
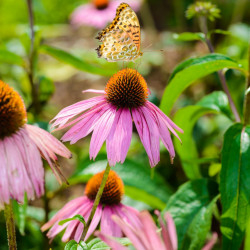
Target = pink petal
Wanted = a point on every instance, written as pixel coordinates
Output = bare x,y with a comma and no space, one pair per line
171,230
95,221
94,91
211,242
148,132
131,233
119,138
108,226
150,231
110,241
101,131
69,112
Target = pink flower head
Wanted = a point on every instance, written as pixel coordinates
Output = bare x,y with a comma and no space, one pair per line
110,117
145,236
99,12
110,205
21,148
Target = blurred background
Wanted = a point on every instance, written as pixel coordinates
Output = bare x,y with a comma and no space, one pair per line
62,73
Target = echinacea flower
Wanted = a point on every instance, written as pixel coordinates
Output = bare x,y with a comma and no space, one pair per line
21,149
110,204
146,236
111,115
98,13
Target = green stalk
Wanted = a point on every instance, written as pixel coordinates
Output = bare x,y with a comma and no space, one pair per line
247,95
10,226
97,200
204,29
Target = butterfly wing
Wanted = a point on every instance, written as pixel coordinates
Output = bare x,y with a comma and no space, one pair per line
126,21
117,45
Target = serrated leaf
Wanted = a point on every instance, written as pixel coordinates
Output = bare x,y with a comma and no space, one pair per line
187,72
189,36
191,208
76,62
234,185
97,244
134,175
71,245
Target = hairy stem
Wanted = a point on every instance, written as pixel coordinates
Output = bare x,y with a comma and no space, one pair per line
10,226
97,200
34,90
204,29
247,95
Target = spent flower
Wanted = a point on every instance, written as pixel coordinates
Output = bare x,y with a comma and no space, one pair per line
206,9
22,148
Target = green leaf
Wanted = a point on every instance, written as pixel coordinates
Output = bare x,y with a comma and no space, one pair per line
11,58
136,178
46,88
234,185
191,208
71,245
247,241
189,36
191,70
76,62
186,119
216,101
76,217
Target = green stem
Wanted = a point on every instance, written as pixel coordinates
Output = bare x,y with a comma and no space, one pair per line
10,226
97,200
247,95
204,29
34,89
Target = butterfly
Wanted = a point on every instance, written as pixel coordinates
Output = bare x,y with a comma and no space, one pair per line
121,39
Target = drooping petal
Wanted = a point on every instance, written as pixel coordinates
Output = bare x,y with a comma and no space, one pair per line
95,221
170,122
131,233
110,241
119,138
94,91
108,226
86,124
211,242
101,131
171,230
150,231
69,112
149,134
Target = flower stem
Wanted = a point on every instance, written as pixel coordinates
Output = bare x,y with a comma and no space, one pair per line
34,90
97,200
10,226
247,95
204,29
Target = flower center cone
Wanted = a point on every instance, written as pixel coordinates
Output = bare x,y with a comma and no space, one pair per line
12,111
113,190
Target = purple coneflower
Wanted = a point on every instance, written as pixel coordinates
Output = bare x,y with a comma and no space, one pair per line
98,13
146,236
21,148
110,117
110,205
